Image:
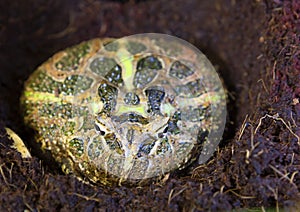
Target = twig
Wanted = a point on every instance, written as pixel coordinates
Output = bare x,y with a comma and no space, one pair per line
24,199
175,195
277,118
253,146
275,192
240,196
264,85
4,178
92,198
285,176
243,128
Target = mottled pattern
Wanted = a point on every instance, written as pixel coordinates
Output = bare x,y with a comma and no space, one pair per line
121,111
180,70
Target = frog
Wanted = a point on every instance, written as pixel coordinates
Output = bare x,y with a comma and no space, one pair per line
127,110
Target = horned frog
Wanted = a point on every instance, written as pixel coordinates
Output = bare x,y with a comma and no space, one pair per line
126,110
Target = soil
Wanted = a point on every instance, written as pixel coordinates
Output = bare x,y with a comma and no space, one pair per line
253,43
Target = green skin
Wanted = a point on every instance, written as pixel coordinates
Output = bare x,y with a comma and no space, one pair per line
111,112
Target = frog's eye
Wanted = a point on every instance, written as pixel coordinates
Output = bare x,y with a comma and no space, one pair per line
147,69
155,97
108,95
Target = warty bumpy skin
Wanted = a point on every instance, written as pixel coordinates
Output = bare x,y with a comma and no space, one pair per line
114,111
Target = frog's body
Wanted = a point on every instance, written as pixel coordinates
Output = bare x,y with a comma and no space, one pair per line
121,111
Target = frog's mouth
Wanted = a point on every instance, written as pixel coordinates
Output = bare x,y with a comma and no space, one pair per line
162,124
130,117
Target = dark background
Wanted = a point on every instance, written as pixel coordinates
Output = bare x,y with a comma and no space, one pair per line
254,44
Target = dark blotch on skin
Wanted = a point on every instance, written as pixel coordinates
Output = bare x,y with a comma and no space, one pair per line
146,147
108,95
163,147
108,68
202,135
191,89
99,130
180,70
102,65
130,135
131,99
195,114
95,149
147,69
149,62
112,46
172,124
115,75
135,47
75,84
113,143
155,97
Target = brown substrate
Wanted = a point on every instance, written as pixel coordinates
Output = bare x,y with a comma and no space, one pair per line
255,44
